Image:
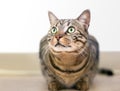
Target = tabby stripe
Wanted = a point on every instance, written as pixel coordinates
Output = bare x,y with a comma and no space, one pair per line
77,39
68,23
69,71
82,41
57,23
82,34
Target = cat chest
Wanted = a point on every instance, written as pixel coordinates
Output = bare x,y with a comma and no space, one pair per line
67,79
68,75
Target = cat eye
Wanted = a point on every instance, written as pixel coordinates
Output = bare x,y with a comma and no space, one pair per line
54,30
71,29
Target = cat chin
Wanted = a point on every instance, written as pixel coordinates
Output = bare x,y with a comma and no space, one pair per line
59,49
63,49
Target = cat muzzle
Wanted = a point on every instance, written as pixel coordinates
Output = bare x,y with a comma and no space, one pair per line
59,44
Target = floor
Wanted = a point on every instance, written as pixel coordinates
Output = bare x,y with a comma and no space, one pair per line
21,72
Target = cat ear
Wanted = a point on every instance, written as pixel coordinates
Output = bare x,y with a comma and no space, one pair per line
85,18
52,18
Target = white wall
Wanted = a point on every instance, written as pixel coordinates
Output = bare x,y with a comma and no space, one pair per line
24,22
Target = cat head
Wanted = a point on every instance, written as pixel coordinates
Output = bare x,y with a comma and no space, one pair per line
68,35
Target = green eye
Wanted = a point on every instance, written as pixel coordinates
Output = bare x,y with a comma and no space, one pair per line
54,30
71,29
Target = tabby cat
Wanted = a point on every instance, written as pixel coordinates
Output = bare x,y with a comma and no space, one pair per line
69,55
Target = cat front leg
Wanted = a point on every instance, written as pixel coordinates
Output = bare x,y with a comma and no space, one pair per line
83,84
54,86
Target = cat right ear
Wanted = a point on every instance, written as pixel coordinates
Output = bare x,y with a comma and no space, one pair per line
52,18
84,18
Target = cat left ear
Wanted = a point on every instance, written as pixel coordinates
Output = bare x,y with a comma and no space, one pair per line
84,18
52,18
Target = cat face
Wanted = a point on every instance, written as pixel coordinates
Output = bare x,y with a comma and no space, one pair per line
68,35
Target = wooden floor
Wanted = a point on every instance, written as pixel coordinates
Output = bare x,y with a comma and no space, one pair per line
21,72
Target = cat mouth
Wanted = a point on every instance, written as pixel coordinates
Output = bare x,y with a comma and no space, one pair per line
61,45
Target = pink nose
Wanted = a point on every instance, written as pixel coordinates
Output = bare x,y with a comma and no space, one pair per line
59,36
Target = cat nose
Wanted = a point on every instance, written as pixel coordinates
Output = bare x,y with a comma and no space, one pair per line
59,36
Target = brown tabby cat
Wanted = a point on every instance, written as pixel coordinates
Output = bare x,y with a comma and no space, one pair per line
69,55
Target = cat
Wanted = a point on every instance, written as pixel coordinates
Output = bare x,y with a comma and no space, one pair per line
69,55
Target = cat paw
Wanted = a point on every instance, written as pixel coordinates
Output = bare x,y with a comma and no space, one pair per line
54,86
82,86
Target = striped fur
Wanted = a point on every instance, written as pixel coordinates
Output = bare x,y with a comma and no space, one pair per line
69,55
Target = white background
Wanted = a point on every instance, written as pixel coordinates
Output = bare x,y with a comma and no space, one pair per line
24,22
